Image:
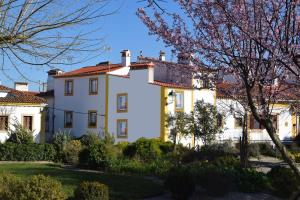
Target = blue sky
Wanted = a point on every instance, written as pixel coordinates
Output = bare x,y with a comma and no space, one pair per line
122,30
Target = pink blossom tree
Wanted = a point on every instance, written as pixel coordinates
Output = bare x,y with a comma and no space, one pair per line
256,42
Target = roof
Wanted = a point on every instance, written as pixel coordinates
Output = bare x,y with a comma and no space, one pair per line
172,64
228,90
101,69
15,96
170,85
49,93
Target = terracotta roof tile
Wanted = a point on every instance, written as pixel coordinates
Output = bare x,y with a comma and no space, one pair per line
101,69
15,96
170,85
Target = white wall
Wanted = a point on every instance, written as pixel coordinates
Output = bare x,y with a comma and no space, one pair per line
16,113
284,121
143,105
80,103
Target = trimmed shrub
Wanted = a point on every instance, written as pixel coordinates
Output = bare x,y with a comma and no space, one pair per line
180,182
147,149
11,187
94,157
227,162
283,181
35,188
91,191
71,151
27,152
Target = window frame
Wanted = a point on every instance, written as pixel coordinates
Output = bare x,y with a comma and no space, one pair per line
126,129
7,123
65,118
89,118
66,85
32,121
126,103
236,125
175,102
90,86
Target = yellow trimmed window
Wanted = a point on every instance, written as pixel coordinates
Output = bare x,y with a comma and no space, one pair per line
28,122
93,86
3,123
69,87
238,122
122,102
122,128
68,119
179,101
92,119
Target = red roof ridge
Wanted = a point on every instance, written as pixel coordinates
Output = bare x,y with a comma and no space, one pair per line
171,85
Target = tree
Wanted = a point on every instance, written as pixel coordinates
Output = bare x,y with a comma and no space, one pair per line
49,32
178,123
255,42
204,122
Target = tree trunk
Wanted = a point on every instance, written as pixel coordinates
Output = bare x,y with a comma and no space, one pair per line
244,143
272,133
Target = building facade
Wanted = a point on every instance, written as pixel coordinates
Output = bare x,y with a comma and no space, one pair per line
22,107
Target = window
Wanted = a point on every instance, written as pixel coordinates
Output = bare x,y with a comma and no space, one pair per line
220,120
92,119
3,123
122,128
27,122
68,119
93,86
122,102
179,101
238,122
255,124
206,83
69,87
275,121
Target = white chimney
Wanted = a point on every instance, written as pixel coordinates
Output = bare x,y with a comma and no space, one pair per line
21,86
50,80
150,74
125,58
185,58
162,56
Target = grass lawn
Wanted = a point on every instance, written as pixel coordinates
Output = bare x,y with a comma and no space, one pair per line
120,186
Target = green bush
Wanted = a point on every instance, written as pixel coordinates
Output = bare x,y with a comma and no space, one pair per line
35,188
90,139
27,152
20,135
158,167
71,151
147,149
249,180
60,140
254,150
91,191
227,162
283,181
180,182
95,157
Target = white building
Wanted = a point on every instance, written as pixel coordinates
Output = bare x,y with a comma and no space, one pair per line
286,121
20,106
132,100
129,100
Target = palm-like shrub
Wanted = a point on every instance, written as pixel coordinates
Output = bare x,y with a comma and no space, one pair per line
19,134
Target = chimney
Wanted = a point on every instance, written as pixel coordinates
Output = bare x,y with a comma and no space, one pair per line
150,74
185,58
162,56
125,58
50,79
21,86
